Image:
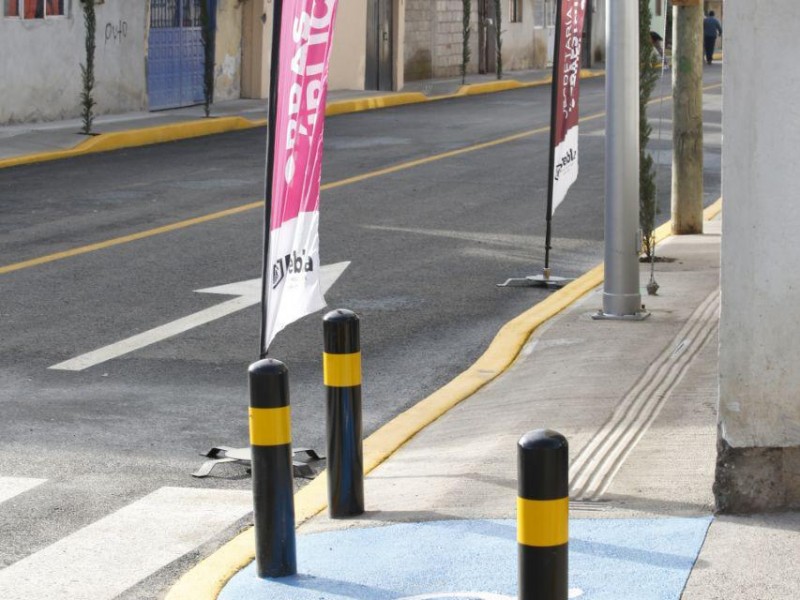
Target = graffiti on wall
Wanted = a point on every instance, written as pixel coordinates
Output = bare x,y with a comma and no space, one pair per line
116,32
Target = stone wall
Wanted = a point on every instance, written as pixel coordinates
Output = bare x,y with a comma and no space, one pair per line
419,42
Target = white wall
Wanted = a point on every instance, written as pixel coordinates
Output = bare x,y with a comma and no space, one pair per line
519,51
40,77
598,30
760,334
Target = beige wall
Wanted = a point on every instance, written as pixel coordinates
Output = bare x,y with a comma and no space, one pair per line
348,58
256,52
228,51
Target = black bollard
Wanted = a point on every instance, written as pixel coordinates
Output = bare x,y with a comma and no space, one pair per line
341,367
543,515
271,447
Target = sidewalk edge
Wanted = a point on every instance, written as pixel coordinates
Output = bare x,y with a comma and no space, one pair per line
206,580
174,132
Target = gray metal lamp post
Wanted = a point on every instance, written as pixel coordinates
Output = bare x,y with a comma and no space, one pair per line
621,296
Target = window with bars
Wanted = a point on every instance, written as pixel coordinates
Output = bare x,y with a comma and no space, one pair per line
175,13
515,11
34,9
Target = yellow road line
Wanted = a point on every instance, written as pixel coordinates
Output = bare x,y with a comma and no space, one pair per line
328,186
245,207
127,238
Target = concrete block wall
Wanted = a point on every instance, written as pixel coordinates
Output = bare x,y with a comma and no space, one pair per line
433,39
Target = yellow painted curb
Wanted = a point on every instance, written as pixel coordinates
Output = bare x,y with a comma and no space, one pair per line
475,89
356,105
173,132
206,580
117,140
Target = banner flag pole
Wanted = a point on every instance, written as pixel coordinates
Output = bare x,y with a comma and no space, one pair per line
272,112
563,160
291,271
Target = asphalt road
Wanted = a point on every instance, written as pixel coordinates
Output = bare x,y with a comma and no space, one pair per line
427,243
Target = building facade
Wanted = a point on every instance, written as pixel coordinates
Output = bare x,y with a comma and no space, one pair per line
149,53
434,36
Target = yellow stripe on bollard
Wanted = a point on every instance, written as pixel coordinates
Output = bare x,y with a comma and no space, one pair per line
542,523
270,426
341,370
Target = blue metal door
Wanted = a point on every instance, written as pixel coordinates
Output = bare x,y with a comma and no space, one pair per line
175,53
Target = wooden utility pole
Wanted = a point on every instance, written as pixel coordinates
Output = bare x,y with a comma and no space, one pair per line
687,127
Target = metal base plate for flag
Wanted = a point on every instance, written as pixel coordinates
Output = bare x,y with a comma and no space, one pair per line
544,280
223,454
638,316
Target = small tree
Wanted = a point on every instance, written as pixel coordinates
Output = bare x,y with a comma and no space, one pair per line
465,30
648,77
207,37
498,37
87,69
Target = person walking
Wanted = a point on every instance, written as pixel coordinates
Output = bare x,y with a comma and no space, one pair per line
711,28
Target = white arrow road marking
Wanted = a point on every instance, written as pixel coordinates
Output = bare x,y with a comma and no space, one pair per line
248,294
13,486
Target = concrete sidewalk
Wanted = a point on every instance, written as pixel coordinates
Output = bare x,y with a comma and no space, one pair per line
637,402
38,142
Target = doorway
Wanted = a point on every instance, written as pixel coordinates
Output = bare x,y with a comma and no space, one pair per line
380,43
175,57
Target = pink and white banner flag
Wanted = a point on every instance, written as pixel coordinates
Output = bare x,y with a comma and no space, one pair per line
292,267
566,82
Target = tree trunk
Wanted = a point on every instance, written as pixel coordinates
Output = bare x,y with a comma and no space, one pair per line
687,128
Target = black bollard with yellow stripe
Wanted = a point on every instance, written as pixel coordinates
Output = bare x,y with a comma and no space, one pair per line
271,447
543,515
341,367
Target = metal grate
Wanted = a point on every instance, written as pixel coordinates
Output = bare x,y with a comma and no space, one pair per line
175,53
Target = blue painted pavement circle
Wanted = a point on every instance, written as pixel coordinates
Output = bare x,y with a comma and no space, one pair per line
609,559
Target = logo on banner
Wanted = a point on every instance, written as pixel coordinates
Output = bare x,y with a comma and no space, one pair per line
291,263
570,157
